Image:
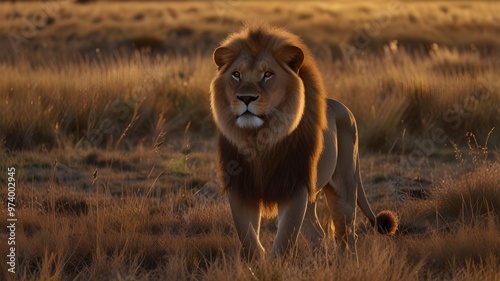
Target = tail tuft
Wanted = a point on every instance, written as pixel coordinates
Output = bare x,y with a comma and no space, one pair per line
387,222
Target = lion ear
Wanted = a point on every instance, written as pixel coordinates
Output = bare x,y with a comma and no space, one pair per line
223,56
291,55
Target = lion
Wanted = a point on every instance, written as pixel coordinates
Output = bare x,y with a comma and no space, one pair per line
281,141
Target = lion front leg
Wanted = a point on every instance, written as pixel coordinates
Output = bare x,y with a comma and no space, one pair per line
246,218
290,217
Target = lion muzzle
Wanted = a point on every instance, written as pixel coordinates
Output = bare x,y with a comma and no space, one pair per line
247,99
248,117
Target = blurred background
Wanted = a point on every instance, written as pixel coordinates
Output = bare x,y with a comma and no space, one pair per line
105,114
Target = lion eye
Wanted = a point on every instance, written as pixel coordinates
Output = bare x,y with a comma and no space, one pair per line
236,75
267,75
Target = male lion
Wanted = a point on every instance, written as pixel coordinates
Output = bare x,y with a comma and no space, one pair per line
281,141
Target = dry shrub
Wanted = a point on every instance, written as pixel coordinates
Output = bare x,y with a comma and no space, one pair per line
467,195
471,195
473,191
461,247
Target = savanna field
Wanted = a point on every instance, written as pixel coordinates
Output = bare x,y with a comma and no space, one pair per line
105,116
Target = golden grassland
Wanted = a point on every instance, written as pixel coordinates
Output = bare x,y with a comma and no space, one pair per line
148,214
399,98
105,115
186,24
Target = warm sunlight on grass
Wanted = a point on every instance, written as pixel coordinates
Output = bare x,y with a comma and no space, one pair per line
105,114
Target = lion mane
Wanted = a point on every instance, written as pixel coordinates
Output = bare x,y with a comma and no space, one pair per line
269,166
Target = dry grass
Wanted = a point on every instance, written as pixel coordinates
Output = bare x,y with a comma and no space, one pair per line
147,98
92,103
142,67
105,115
157,224
182,24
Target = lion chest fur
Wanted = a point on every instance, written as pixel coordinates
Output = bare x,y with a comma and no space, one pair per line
269,175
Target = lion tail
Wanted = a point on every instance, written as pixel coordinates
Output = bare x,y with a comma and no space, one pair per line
386,222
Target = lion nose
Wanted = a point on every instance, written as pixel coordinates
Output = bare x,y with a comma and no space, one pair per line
247,99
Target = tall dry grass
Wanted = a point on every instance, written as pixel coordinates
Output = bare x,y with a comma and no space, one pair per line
116,99
458,222
85,75
93,101
417,94
185,232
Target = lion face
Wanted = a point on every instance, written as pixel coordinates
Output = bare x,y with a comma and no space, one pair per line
259,93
